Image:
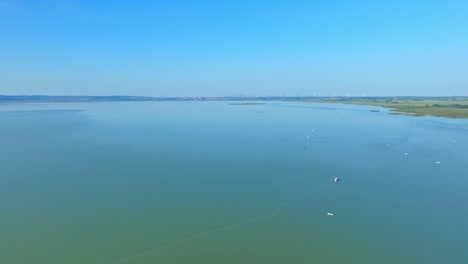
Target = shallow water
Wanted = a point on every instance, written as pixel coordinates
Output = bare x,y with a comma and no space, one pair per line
201,182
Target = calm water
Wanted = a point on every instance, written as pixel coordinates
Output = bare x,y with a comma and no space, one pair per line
208,182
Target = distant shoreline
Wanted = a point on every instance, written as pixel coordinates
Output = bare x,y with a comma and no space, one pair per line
448,106
423,107
125,98
247,103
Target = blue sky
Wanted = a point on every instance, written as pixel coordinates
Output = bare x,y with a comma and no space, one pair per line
222,48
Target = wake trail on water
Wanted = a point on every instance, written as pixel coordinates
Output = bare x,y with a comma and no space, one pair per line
271,214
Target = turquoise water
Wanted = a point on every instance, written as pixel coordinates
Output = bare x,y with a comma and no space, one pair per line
209,182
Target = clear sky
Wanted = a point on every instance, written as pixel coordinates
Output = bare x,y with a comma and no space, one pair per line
242,47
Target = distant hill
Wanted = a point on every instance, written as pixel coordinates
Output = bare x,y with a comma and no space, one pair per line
49,98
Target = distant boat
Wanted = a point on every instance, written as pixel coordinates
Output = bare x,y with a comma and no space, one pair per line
336,180
437,162
330,214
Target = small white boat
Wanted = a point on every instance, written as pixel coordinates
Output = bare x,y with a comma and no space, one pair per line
437,162
330,214
336,179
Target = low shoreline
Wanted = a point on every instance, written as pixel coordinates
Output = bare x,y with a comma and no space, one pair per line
451,107
438,108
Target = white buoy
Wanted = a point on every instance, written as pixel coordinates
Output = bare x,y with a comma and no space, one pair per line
330,214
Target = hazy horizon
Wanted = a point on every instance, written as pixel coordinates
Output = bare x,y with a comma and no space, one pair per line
239,95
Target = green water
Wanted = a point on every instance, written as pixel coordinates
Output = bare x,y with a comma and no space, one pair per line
174,182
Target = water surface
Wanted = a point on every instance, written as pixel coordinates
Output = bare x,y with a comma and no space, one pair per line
174,182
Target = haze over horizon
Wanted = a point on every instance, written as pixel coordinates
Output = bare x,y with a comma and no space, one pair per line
251,48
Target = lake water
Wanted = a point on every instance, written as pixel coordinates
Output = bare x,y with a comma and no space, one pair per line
209,182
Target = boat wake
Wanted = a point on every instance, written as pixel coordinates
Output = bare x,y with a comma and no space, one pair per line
271,214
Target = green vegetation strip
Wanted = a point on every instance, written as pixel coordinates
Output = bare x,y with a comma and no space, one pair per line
441,108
